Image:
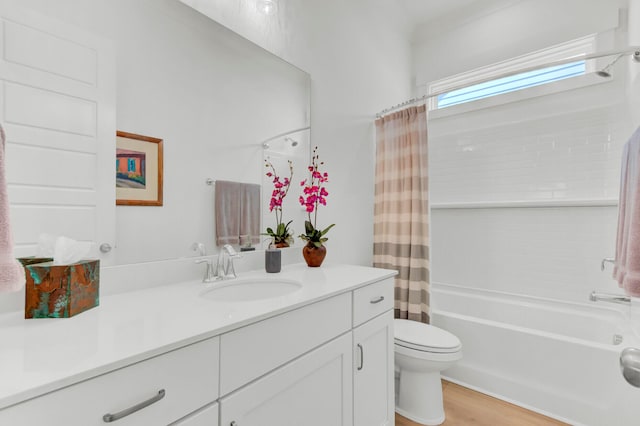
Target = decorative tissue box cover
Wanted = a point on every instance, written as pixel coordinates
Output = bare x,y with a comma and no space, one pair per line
60,291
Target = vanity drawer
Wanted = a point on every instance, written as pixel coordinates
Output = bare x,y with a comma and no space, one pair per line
372,300
250,352
188,376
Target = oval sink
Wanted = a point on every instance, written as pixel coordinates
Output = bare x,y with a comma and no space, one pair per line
250,289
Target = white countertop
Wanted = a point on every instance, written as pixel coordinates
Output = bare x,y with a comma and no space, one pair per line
41,355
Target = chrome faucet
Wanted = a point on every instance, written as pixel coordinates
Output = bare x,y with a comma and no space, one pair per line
210,275
224,267
611,298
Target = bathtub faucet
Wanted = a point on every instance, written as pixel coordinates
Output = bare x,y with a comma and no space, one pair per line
612,298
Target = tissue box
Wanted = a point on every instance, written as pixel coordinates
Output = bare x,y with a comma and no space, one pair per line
60,291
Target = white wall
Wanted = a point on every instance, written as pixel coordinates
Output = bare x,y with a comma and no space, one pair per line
461,43
359,64
561,149
358,55
208,93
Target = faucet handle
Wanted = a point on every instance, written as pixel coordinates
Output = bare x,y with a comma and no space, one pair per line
231,252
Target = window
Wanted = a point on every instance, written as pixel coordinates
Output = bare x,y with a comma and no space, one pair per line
511,84
464,89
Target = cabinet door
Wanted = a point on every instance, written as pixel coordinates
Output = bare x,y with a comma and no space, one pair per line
313,390
373,372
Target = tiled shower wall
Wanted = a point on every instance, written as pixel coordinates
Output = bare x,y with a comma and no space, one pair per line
523,194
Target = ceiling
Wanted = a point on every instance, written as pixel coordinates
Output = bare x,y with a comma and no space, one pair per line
421,11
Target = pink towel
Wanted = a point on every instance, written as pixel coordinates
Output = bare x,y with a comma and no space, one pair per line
626,269
11,271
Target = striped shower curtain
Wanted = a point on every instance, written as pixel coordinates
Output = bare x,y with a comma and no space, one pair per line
401,212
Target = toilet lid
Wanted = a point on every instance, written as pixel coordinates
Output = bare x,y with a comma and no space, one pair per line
424,337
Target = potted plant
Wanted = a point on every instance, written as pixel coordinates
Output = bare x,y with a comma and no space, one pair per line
282,235
314,195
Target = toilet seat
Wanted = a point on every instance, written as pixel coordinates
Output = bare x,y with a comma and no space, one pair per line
424,337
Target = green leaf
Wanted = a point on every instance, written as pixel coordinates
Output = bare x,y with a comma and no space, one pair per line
324,240
308,227
317,244
327,229
269,231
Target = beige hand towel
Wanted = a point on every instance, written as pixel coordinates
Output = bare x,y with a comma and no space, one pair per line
227,204
250,212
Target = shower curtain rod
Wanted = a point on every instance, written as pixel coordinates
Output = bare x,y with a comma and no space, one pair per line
635,51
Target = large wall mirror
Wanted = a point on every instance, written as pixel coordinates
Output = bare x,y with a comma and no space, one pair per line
212,97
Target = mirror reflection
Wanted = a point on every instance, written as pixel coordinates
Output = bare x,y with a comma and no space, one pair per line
279,153
212,97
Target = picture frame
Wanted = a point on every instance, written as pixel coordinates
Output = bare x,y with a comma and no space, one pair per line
139,170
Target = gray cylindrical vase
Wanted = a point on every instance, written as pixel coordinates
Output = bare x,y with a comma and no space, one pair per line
272,260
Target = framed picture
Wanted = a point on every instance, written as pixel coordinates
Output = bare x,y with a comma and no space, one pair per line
138,170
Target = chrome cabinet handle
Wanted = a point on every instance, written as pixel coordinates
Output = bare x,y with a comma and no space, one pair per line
233,423
105,247
108,418
361,366
378,300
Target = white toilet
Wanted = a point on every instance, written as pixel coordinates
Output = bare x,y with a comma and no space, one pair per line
422,351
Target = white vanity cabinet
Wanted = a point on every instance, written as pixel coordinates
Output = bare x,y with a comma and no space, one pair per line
250,352
325,360
347,380
302,362
313,390
373,382
166,388
373,379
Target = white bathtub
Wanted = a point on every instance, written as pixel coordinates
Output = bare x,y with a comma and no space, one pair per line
553,357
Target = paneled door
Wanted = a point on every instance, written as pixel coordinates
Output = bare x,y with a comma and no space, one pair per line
57,86
313,390
373,382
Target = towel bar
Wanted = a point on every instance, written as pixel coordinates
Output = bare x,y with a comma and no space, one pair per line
612,298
